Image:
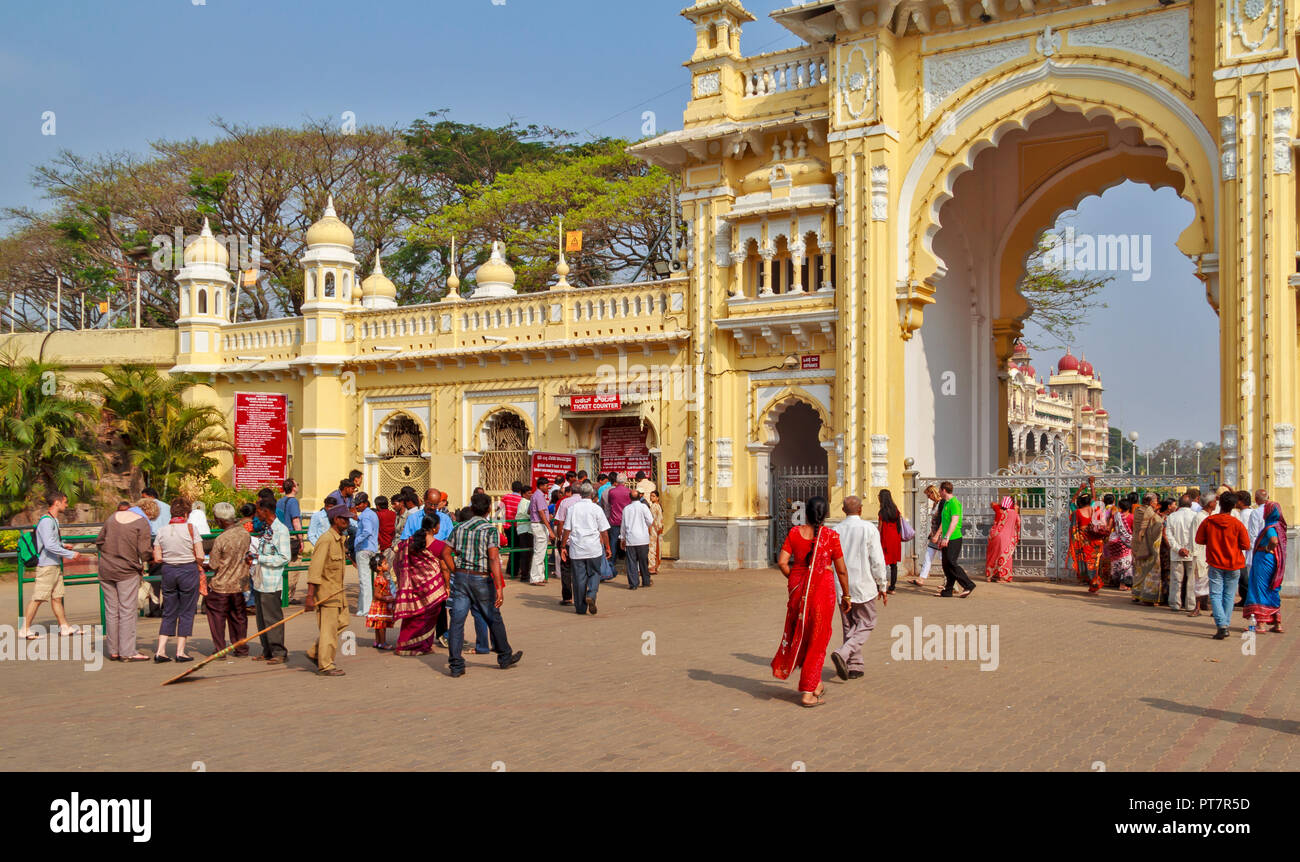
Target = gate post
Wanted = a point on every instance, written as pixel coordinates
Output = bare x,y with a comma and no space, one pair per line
909,504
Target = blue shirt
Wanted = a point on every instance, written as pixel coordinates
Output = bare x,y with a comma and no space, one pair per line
164,517
367,538
286,510
415,520
320,522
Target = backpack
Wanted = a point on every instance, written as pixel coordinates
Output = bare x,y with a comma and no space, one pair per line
29,550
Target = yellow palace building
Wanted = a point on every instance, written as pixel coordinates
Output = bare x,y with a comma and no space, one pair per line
859,213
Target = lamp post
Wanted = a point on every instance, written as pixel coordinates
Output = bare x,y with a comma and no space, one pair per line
1199,447
1133,436
1148,462
1164,466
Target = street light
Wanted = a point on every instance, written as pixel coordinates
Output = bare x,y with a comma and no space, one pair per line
1133,435
1164,467
1199,447
1148,462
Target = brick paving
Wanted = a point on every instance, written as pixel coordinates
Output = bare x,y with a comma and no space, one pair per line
1081,680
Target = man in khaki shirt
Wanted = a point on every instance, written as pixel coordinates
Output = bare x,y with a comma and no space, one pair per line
325,591
228,572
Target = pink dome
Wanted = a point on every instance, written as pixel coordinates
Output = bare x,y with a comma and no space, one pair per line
1068,363
1028,369
1085,368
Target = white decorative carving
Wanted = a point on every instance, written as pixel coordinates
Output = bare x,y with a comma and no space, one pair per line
1284,456
880,193
857,79
1228,461
1282,141
1228,161
1241,11
723,453
708,85
879,460
722,243
945,74
839,196
1048,43
1164,37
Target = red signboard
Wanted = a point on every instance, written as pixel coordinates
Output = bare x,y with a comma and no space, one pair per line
810,363
261,440
595,403
674,470
623,450
554,466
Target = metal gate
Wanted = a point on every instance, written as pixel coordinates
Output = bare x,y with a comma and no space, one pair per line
397,473
791,487
1043,489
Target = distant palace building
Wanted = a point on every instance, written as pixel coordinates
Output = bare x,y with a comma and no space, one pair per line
1067,408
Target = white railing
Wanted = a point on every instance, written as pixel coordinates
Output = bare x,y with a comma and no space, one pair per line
262,335
784,72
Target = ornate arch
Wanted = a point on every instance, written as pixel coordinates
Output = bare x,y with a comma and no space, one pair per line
1164,120
765,429
387,426
482,426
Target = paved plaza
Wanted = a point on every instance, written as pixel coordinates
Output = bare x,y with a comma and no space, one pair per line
1080,682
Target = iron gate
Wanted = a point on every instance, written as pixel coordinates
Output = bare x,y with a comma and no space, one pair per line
790,488
1043,488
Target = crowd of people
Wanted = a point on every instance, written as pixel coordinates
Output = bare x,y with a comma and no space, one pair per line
423,568
1228,550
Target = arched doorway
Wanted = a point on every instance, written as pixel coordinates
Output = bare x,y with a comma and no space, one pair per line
1009,185
798,464
505,440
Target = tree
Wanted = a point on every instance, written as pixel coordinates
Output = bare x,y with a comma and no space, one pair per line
168,440
46,436
1059,299
620,204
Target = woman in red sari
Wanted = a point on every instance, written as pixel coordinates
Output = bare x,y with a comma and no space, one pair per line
1003,538
807,557
421,589
1086,544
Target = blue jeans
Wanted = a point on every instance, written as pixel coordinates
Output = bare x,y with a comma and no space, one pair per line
482,632
607,569
586,581
1223,593
480,594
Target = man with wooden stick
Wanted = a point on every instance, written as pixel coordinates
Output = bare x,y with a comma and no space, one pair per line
325,578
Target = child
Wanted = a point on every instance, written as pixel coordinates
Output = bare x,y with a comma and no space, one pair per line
380,616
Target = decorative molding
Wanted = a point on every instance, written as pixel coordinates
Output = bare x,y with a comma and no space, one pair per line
1228,159
1048,43
1284,456
1228,461
1164,37
709,84
1282,142
725,460
1246,12
722,244
880,193
856,78
501,393
945,74
879,460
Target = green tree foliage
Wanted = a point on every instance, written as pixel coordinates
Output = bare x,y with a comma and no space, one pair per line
46,436
1059,299
619,203
168,440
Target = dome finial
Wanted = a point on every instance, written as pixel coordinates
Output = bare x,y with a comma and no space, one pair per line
562,267
379,263
207,229
329,208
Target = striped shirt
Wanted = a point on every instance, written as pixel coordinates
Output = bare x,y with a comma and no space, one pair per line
471,541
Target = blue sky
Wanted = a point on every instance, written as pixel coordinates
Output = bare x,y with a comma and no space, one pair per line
118,75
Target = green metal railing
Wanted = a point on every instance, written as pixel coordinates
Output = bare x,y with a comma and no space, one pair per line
82,579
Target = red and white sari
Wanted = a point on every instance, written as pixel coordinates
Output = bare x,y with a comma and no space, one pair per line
810,608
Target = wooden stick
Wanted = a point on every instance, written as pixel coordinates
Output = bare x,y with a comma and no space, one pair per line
228,650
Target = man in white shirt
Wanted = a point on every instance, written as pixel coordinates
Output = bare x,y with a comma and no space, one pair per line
1195,494
1202,588
1180,533
585,542
634,536
1243,513
563,564
868,577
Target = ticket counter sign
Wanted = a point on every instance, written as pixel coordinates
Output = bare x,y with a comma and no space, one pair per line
595,403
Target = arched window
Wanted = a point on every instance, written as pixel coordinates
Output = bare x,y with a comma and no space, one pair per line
505,452
311,286
203,301
347,286
329,285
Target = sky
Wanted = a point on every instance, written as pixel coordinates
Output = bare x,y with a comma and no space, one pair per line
119,75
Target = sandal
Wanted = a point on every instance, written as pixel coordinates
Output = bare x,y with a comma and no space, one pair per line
136,657
384,647
29,635
273,661
914,582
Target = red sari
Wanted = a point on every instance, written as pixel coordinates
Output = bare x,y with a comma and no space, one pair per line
1003,538
810,609
421,592
1085,549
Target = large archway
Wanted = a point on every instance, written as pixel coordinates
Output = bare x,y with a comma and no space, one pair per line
799,465
997,200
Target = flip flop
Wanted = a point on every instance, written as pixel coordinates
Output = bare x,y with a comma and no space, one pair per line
31,636
914,582
821,701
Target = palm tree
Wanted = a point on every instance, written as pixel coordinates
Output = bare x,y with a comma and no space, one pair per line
46,436
168,440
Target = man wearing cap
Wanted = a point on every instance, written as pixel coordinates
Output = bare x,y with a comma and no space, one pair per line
325,592
228,579
365,546
539,516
